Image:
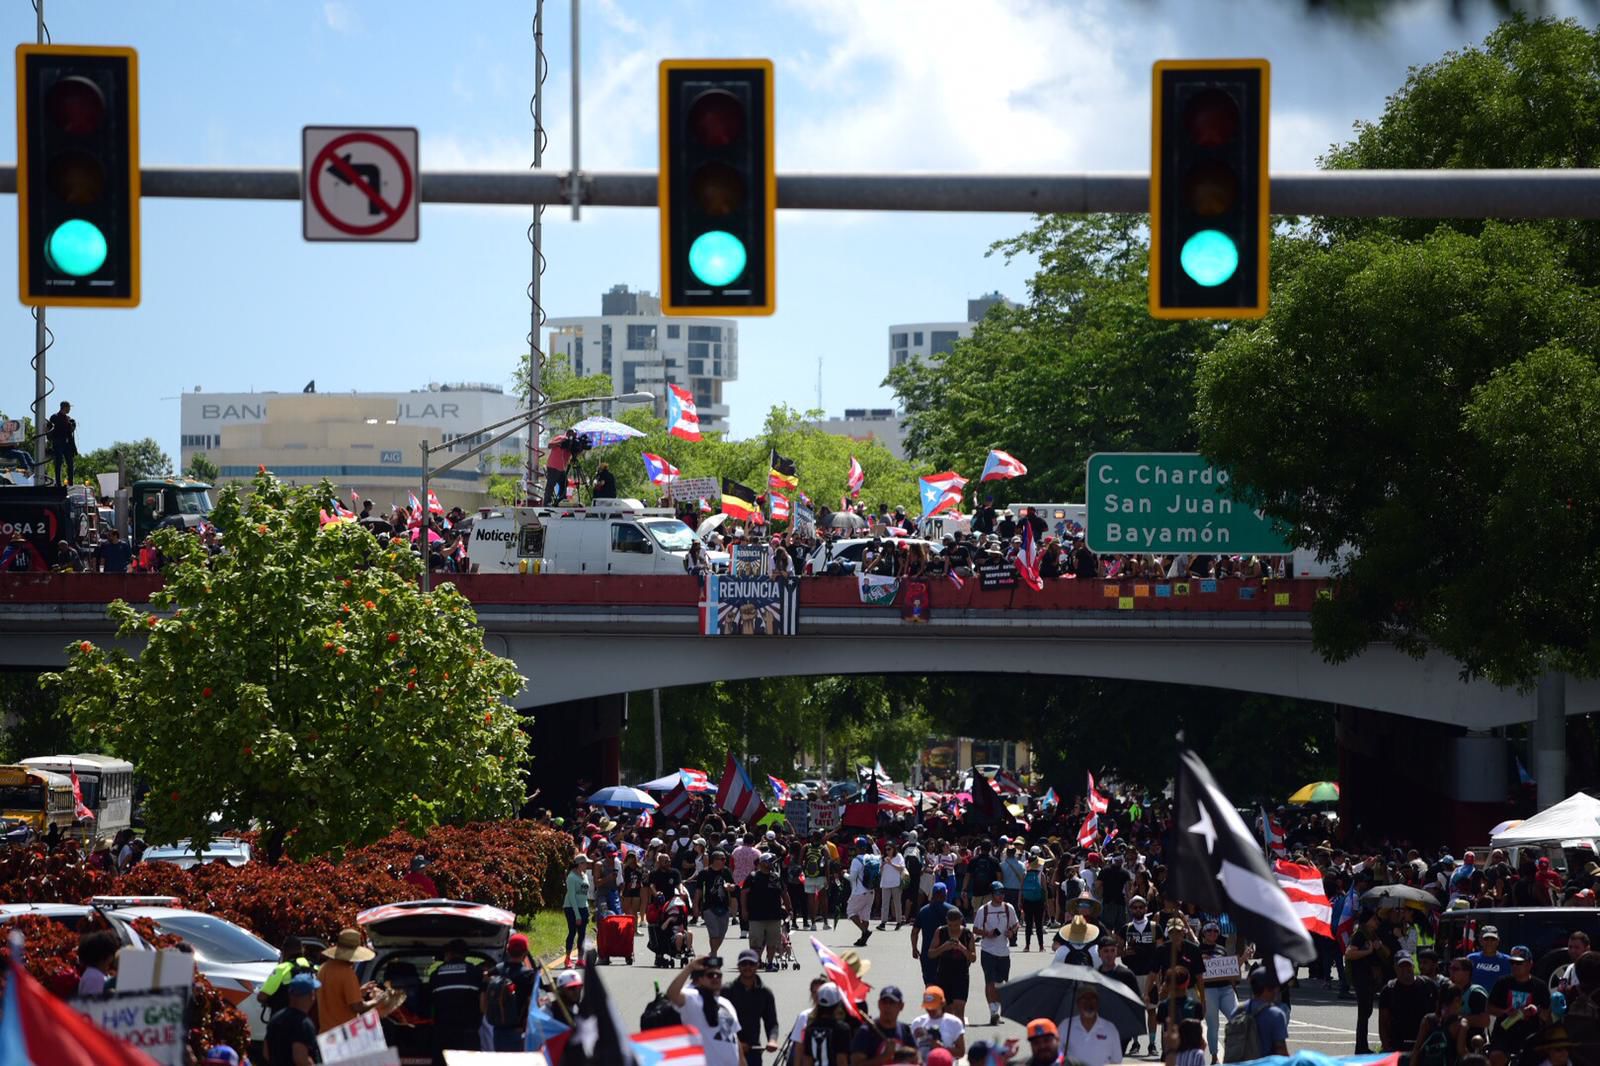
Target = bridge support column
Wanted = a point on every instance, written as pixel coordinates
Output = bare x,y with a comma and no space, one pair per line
1548,740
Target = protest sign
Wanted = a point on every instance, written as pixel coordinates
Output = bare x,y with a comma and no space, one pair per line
149,1021
692,488
997,575
353,1040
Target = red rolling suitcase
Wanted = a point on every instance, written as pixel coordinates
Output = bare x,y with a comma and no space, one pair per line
614,938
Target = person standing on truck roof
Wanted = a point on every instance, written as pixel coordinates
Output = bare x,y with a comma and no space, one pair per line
605,483
562,449
62,431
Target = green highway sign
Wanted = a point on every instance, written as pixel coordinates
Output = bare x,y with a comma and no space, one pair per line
1168,502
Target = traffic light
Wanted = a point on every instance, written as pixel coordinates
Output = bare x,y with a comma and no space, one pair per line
78,175
717,189
1209,223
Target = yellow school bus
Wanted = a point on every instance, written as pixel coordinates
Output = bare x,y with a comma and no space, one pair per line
38,798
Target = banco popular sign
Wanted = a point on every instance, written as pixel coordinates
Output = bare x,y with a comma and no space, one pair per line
1166,502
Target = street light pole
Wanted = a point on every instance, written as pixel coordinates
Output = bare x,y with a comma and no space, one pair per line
517,422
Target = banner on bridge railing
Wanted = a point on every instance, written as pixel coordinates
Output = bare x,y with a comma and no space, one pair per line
753,606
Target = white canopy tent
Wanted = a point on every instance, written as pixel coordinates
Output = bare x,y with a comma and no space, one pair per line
1575,818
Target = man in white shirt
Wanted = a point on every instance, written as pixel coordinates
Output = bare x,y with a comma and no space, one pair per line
866,870
934,1028
1091,1040
995,924
703,1009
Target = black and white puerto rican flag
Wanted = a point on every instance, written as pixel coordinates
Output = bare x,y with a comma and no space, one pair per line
1219,867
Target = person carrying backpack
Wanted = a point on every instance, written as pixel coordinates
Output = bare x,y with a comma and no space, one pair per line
274,992
507,988
1033,896
866,871
1259,1028
814,867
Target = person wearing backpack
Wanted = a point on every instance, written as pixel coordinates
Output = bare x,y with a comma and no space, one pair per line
814,866
1259,1028
507,988
1033,896
274,993
866,872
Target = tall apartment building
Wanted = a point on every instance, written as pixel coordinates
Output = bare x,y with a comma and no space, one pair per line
909,341
643,350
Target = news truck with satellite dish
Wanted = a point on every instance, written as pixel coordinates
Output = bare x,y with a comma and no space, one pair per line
607,537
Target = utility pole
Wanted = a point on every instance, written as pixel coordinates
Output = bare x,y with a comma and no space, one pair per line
655,700
530,474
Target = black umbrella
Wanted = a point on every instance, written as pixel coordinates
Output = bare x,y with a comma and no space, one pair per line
1392,895
845,520
1053,993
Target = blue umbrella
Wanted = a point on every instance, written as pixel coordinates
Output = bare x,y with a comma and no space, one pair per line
625,797
602,431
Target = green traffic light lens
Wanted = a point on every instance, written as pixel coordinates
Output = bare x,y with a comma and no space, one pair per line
76,247
716,258
1209,257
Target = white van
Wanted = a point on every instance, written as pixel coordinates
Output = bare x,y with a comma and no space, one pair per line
607,537
1056,515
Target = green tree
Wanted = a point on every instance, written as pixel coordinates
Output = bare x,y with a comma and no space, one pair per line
1081,368
203,469
141,459
301,681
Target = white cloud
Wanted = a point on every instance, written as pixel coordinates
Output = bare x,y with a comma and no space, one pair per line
340,17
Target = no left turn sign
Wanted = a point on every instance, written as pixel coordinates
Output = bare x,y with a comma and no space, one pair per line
359,183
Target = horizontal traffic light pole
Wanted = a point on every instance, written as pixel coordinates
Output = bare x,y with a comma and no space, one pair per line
1344,193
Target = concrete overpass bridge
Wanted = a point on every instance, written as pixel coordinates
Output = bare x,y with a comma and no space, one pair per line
578,637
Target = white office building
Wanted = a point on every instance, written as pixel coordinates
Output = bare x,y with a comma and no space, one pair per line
881,424
643,350
922,341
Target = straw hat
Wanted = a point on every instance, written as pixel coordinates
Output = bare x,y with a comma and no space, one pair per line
348,948
1081,932
1085,905
857,964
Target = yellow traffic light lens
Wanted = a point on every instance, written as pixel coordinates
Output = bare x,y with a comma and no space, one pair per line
76,178
76,248
1211,188
718,189
1209,257
717,258
76,105
1211,118
716,118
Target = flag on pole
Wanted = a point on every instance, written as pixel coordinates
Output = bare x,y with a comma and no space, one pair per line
657,470
954,578
79,808
986,805
705,505
840,973
434,506
1049,798
1218,866
415,506
1303,885
599,1034
1272,836
780,789
355,497
1347,917
737,794
783,473
1001,466
694,780
941,492
1097,803
676,804
544,1031
682,419
738,500
37,1028
855,479
340,511
1028,560
780,505
1089,831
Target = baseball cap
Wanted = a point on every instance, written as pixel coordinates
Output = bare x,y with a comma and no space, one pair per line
569,979
1211,927
933,996
891,993
772,834
996,886
747,955
939,888
1405,957
1488,931
829,995
1042,1027
517,946
1520,953
303,984
941,1056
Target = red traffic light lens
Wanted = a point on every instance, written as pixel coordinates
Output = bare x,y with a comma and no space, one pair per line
76,105
716,118
1211,118
1210,188
718,189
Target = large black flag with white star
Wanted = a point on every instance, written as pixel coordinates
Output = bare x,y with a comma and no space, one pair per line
1218,866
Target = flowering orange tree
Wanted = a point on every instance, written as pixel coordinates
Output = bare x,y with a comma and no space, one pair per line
301,682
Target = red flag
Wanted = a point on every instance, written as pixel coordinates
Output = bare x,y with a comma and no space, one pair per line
80,809
737,794
676,804
1097,803
1303,885
1090,831
434,506
840,973
51,1032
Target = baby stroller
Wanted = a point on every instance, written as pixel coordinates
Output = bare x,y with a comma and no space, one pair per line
668,935
784,958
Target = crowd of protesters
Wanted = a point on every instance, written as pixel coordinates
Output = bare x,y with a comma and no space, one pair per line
968,901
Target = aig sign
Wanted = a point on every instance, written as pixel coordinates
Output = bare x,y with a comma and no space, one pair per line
391,457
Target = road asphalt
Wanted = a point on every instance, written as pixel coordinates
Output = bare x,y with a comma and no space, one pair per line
1319,1020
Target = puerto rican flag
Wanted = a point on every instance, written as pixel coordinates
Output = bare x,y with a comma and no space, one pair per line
1272,835
1028,560
416,509
737,794
355,497
840,973
780,789
645,820
1005,781
954,578
1001,466
780,506
1090,831
941,492
856,478
657,469
676,804
1097,803
1303,885
682,420
672,1045
1347,917
705,505
1049,799
434,506
694,780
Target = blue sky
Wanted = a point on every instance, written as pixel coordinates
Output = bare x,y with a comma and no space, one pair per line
234,298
